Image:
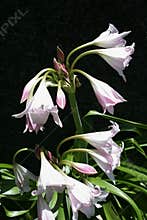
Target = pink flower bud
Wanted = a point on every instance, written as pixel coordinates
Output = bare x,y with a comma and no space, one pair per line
60,99
60,55
84,168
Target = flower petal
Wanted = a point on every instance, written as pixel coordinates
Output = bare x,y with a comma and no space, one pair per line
118,58
106,95
44,213
111,38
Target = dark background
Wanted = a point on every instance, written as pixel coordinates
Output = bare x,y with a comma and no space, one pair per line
30,45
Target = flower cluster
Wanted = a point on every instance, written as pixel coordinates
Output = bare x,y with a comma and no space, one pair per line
100,146
51,180
40,104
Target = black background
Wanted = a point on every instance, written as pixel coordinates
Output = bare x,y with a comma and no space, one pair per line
30,45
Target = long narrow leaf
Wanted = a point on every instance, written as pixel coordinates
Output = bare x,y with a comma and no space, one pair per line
116,191
12,214
110,211
116,119
6,166
134,166
135,186
139,176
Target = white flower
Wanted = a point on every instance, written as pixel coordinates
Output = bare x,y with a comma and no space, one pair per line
83,198
38,109
50,179
111,38
107,153
107,158
105,94
100,138
118,57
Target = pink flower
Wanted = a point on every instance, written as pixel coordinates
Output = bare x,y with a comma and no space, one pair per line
107,153
118,58
38,109
50,179
44,212
22,177
83,198
83,168
107,158
105,94
60,99
28,87
100,138
111,38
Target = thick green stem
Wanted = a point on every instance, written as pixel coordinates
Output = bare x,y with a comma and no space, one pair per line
75,112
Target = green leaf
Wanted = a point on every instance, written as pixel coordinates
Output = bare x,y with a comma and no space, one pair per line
7,173
135,186
135,167
61,214
116,191
12,214
116,119
13,191
68,207
6,166
53,200
139,176
132,141
110,211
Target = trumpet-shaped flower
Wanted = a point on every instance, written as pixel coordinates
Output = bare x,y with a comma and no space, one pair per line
22,177
107,158
100,138
38,109
107,153
28,87
60,99
83,198
118,57
44,212
111,38
106,95
50,179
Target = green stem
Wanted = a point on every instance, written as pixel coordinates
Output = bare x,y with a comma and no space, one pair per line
75,150
19,151
75,112
81,72
63,141
76,49
83,55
